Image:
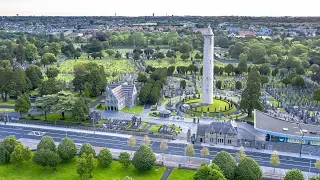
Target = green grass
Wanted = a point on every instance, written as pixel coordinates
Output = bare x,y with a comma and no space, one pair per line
10,102
181,174
101,122
175,128
6,110
50,117
100,107
68,171
155,128
213,108
32,92
135,109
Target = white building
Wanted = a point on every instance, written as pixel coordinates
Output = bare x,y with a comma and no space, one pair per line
119,96
208,51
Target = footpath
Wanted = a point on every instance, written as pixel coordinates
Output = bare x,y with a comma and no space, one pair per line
168,160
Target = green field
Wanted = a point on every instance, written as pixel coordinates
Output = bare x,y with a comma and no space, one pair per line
135,109
10,102
213,108
181,174
155,128
118,66
68,171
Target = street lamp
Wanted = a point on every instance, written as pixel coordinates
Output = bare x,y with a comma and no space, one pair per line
301,131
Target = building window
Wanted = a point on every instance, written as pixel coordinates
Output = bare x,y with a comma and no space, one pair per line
211,139
229,141
220,133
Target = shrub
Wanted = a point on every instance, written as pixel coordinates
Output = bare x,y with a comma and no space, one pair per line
226,163
67,149
87,148
248,169
294,174
144,159
105,157
124,159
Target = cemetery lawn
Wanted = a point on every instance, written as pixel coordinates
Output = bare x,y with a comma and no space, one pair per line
100,106
181,174
68,171
155,128
135,109
10,102
217,104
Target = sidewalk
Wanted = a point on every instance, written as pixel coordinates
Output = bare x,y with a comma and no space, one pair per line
248,149
175,161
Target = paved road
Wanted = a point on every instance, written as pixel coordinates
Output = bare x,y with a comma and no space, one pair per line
173,148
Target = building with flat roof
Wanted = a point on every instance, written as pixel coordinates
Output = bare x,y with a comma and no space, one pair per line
280,130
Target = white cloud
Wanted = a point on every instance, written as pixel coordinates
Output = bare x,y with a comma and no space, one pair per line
160,7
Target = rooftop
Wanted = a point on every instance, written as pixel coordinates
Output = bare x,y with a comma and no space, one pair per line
274,126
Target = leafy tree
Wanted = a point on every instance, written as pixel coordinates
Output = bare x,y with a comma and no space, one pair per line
160,55
124,159
7,146
294,174
142,78
47,142
185,56
4,154
247,169
299,70
53,159
264,79
136,56
189,150
206,172
229,69
22,105
49,57
110,52
52,72
314,68
265,69
87,148
236,50
274,160
183,84
205,152
80,109
91,165
238,85
317,164
20,53
257,52
286,81
34,74
105,157
17,155
82,165
146,140
298,81
298,49
55,48
67,149
144,159
250,98
226,163
31,52
163,146
316,95
50,86
197,56
241,155
46,157
243,64
6,83
185,48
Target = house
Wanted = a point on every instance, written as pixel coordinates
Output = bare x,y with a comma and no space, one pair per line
264,32
246,33
218,132
119,96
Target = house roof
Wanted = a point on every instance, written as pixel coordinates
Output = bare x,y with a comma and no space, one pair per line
228,127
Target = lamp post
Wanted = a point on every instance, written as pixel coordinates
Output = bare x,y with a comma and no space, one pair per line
301,131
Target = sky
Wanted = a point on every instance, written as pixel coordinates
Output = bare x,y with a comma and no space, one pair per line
159,7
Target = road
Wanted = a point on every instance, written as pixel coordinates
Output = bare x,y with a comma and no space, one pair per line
173,148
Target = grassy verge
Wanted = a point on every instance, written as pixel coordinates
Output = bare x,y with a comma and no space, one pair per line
10,102
135,109
6,110
155,128
181,174
100,107
68,171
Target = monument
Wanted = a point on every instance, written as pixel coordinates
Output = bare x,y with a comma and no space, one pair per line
208,51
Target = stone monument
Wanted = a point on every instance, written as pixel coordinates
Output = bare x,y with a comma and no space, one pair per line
208,51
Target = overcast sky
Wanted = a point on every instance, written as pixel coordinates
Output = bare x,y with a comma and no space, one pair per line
160,7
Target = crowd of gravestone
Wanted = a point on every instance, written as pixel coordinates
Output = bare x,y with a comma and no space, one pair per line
173,88
297,102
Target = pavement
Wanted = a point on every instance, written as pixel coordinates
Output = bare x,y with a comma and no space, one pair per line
176,148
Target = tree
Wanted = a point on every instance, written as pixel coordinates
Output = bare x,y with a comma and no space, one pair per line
206,172
314,68
52,72
131,142
241,154
238,85
17,155
142,78
49,57
298,81
189,150
80,109
31,52
144,159
34,74
91,165
183,84
105,157
19,82
163,146
160,55
243,64
274,160
185,56
7,146
136,56
146,140
226,163
87,148
197,56
300,70
229,69
219,84
20,53
298,49
317,164
46,157
265,69
67,149
124,159
110,52
264,79
47,142
250,97
50,86
185,47
294,174
53,159
82,165
257,52
205,152
55,48
22,105
247,169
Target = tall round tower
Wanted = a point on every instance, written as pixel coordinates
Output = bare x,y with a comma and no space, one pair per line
208,61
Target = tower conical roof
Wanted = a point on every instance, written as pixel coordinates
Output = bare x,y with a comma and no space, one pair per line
208,31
